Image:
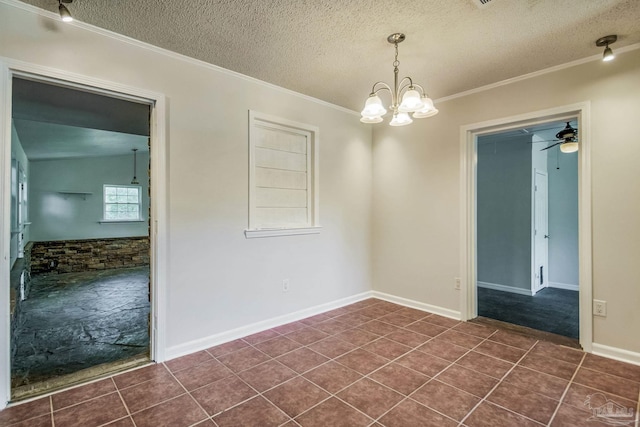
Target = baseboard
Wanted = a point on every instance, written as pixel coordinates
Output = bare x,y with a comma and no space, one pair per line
505,288
417,305
243,331
616,353
564,286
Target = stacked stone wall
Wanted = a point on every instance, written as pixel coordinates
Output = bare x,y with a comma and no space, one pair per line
70,256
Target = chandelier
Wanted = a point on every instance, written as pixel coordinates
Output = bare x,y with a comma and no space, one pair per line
405,98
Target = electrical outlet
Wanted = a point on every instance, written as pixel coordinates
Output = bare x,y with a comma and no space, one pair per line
285,285
599,308
457,285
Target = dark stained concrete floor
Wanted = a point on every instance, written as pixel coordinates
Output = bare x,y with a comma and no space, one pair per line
551,310
75,321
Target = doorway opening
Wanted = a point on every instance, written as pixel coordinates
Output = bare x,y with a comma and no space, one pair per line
532,279
80,288
527,229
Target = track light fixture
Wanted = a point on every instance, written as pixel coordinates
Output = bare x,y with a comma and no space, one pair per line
405,97
606,41
64,12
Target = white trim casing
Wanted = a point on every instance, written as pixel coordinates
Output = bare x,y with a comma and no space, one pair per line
159,200
616,353
259,120
505,288
468,190
255,234
452,314
243,331
5,228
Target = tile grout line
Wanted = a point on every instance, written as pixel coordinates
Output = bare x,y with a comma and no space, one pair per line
566,389
435,377
53,421
331,395
637,423
126,407
186,391
379,318
431,378
300,375
483,399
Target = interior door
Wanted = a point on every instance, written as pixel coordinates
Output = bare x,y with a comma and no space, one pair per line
541,231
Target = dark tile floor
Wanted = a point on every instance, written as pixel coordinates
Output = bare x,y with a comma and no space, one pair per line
551,310
372,363
75,321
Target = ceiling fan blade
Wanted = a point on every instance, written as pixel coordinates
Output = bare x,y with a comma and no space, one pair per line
551,146
546,140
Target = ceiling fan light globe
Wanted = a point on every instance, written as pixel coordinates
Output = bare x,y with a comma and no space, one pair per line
411,102
569,147
401,119
373,107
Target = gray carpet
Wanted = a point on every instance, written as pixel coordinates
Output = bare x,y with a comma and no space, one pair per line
551,310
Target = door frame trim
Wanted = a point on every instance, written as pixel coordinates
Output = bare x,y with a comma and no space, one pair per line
468,190
158,222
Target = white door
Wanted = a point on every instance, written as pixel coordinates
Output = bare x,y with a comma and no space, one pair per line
541,232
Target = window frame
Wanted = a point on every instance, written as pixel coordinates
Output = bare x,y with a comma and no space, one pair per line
105,203
312,133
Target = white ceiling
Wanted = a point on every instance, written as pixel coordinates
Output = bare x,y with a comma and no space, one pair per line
335,49
546,132
44,141
55,122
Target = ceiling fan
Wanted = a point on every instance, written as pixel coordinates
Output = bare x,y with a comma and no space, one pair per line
567,138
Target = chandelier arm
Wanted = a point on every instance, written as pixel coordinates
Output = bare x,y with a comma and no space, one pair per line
384,86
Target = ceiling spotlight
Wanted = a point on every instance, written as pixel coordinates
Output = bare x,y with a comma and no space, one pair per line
406,96
606,41
64,12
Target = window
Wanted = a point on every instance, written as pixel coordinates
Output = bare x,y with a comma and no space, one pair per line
122,203
283,177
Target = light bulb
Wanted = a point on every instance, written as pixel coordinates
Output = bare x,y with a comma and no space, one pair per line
373,107
64,13
400,119
427,111
376,119
410,102
608,54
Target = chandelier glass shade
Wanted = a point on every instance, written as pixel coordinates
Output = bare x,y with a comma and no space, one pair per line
406,97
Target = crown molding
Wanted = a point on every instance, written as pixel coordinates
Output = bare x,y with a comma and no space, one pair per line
178,56
51,15
538,73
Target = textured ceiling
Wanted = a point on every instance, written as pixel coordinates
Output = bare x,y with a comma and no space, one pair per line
335,50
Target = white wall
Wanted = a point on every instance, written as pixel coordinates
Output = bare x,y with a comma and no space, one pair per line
218,280
417,189
563,219
58,216
17,153
504,211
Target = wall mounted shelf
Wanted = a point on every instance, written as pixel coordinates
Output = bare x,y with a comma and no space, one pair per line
82,194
